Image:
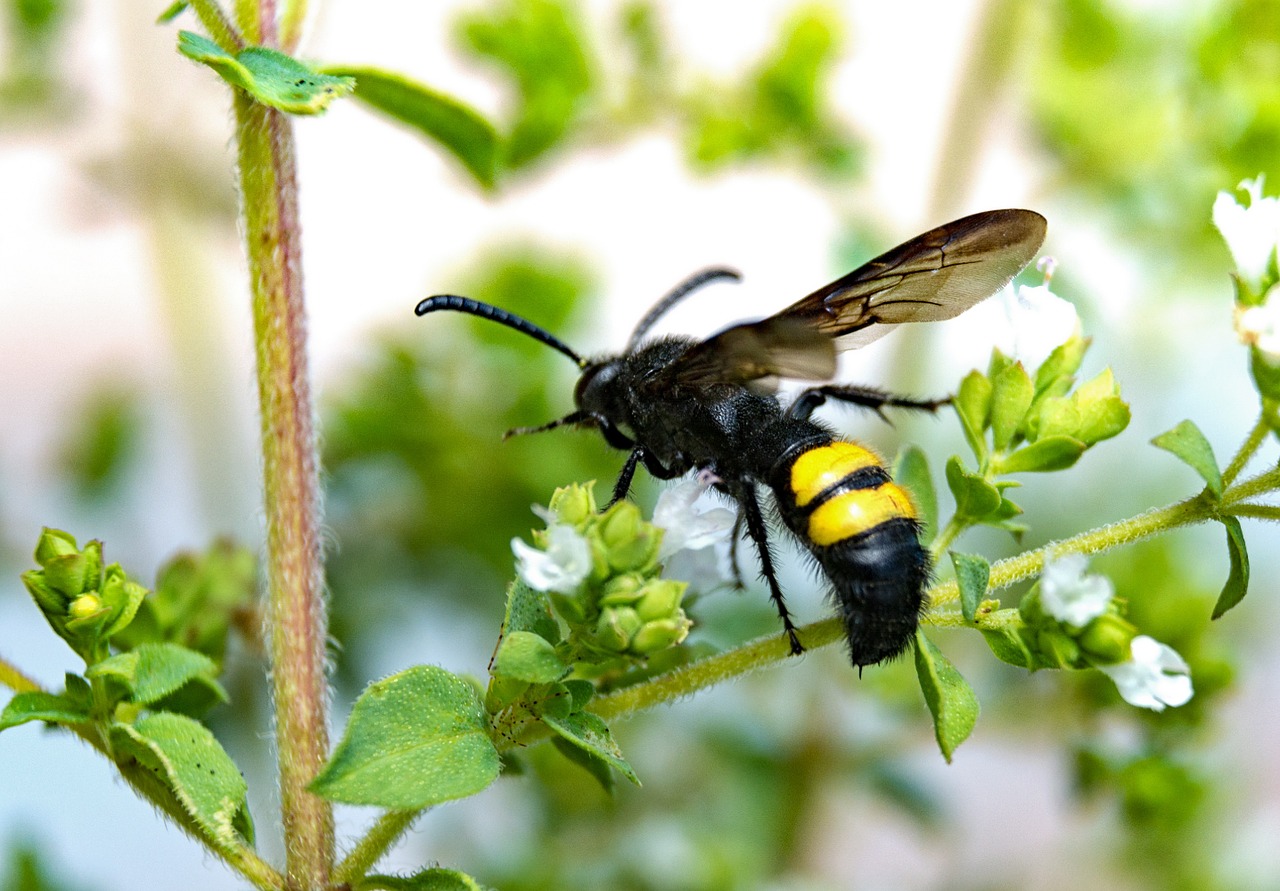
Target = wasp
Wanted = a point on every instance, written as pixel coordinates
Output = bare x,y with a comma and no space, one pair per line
677,404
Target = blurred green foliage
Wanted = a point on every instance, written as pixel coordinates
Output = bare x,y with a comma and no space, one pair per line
102,441
27,870
1153,108
30,77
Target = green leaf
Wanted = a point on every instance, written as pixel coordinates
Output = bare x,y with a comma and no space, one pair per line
530,610
1044,455
911,471
195,767
948,695
174,10
456,127
973,406
599,769
153,671
55,708
972,575
1062,364
437,879
1238,579
590,733
1008,646
415,739
1010,398
269,76
975,497
1187,443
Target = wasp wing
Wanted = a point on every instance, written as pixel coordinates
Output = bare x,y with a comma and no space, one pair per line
934,276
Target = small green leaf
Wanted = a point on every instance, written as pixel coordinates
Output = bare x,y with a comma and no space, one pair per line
1007,645
1062,365
525,656
153,671
973,406
1043,455
269,76
530,610
1238,579
55,708
1010,398
911,471
589,732
948,695
436,879
975,497
415,739
1186,442
456,127
972,575
599,769
195,767
174,10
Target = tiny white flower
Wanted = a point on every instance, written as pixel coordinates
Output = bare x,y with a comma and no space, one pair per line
1260,325
1155,675
1252,233
562,567
1071,595
684,526
1039,319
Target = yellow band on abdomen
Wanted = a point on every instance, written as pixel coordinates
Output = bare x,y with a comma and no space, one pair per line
818,469
856,511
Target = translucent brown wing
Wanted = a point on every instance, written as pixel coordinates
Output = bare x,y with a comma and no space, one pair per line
934,276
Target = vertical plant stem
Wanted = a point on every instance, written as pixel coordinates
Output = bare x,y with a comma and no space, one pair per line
296,609
389,828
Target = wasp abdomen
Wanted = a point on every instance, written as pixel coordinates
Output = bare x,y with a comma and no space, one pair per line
862,529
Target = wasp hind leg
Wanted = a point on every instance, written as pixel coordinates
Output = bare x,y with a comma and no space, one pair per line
745,493
864,397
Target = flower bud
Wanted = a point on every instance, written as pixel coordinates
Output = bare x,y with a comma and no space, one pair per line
660,635
54,543
49,600
573,504
661,600
632,544
616,627
84,606
622,590
1058,649
67,573
1107,640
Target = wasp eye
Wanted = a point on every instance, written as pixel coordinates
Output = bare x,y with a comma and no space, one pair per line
589,394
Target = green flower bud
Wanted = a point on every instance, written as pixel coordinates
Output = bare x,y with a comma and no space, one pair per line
657,636
1107,639
67,574
615,628
1057,649
622,590
54,543
574,504
49,600
632,544
85,606
1057,371
1032,610
661,600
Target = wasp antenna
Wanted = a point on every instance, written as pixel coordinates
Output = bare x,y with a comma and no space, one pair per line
501,316
675,295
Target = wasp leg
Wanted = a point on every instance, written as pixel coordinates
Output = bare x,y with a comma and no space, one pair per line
576,417
746,495
653,465
733,551
866,397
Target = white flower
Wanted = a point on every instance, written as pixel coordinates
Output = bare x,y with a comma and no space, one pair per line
1071,595
562,567
687,528
1154,676
1040,319
1252,233
1260,325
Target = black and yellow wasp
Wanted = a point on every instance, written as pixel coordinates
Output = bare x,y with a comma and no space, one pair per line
678,404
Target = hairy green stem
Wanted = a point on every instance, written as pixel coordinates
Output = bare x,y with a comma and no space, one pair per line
296,609
220,28
376,842
291,22
1250,447
1267,481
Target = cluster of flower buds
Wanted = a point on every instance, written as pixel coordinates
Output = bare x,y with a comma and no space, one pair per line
1073,620
603,570
1252,233
84,602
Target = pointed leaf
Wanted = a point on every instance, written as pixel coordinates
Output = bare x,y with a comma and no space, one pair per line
269,76
975,497
911,471
525,656
593,764
589,732
195,767
530,610
1187,443
972,575
1047,454
1238,579
1010,398
39,706
414,740
437,879
153,671
948,695
459,129
175,9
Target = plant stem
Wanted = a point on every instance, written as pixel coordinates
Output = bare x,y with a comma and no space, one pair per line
383,835
215,21
13,678
291,22
296,609
1267,481
1250,447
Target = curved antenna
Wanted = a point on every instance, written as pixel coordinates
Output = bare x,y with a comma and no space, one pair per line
675,295
501,316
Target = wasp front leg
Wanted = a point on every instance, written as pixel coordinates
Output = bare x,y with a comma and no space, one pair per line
864,397
639,454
